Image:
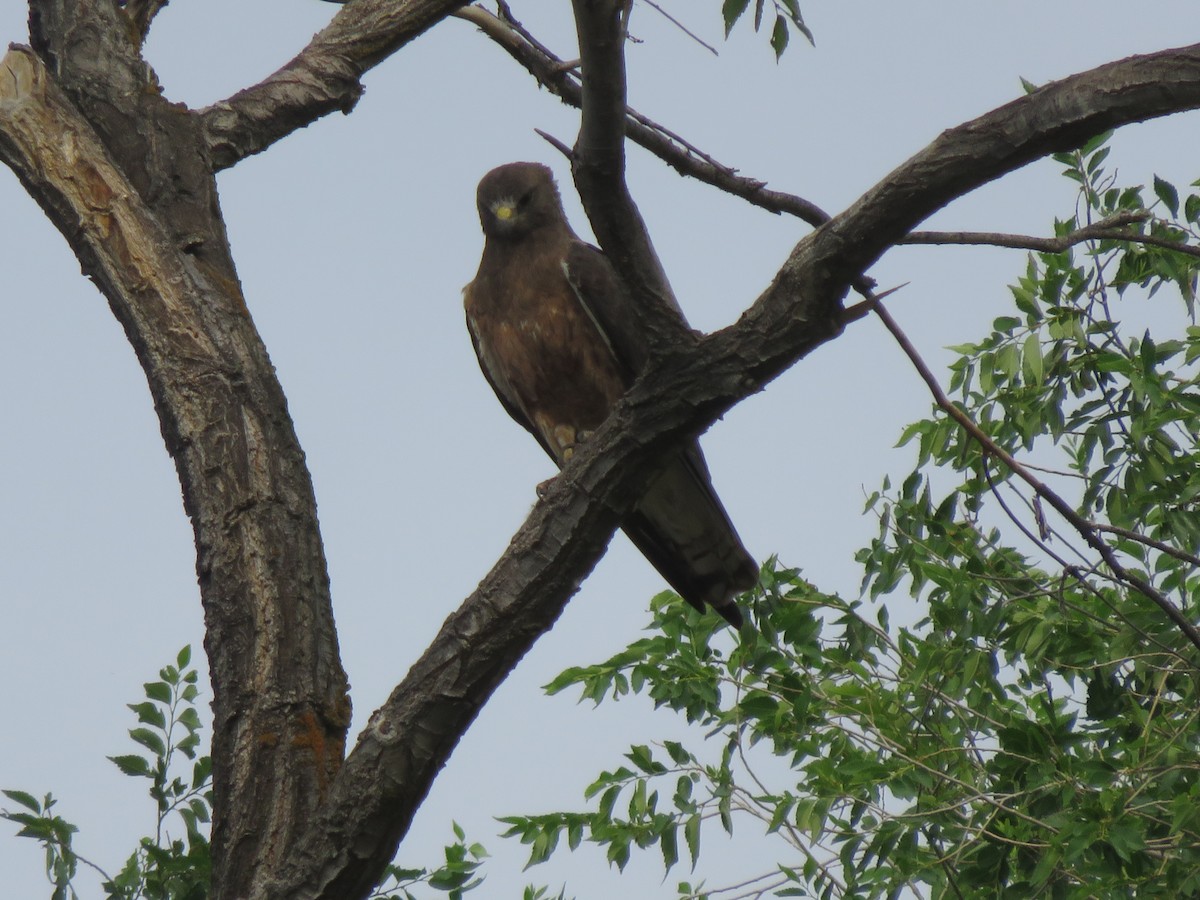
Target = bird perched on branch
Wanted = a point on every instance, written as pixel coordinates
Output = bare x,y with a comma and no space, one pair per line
557,339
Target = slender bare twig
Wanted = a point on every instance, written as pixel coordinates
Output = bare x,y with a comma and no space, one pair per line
674,21
1112,228
862,308
554,142
1061,506
1180,555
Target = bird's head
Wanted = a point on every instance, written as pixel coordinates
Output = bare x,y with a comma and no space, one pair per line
517,199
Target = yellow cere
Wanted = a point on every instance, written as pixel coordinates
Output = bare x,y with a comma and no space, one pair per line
504,212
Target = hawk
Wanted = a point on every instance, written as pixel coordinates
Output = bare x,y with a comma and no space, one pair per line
557,340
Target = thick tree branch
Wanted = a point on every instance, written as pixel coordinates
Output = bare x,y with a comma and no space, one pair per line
598,164
1057,116
372,802
322,78
684,390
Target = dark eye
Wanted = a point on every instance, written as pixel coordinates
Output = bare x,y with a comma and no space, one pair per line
525,199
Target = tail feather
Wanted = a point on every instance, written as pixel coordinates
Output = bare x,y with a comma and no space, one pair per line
682,528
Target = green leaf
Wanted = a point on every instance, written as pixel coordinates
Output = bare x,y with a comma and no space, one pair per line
1165,191
26,800
731,11
779,36
691,835
1096,143
1031,359
1191,208
158,690
150,740
133,765
150,714
668,842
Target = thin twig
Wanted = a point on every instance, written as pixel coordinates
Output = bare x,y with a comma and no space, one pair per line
554,142
1180,555
862,308
1061,506
674,21
1112,228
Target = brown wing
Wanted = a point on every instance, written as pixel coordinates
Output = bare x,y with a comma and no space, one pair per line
609,305
680,525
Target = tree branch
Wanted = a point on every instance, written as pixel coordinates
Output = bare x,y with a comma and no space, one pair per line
322,78
598,164
1180,555
245,488
1058,116
1112,228
407,741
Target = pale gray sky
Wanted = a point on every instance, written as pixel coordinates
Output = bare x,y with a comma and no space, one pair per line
354,238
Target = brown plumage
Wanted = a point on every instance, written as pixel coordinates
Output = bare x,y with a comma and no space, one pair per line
556,339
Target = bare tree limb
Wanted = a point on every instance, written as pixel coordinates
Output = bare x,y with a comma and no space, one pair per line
1180,555
1081,525
598,164
1112,228
690,161
322,78
373,799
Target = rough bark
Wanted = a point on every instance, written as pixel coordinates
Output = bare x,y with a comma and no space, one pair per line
128,179
125,184
322,78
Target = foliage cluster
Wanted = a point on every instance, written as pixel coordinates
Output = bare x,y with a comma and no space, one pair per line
177,868
163,867
786,17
